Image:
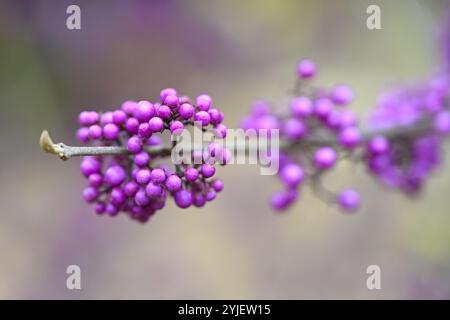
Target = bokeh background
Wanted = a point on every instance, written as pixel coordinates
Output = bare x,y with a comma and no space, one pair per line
235,247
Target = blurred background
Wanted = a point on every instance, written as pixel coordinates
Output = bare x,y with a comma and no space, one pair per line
235,247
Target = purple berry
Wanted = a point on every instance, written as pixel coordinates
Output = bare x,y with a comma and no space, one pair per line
164,112
171,101
292,175
186,111
167,92
115,175
144,130
202,117
191,174
158,175
153,190
325,158
132,125
144,111
210,195
207,170
141,198
141,159
306,69
176,127
156,124
220,131
143,176
183,198
118,196
88,118
111,131
378,145
129,107
294,129
203,102
134,144
349,200
90,165
90,194
119,117
95,132
106,118
95,180
83,134
350,137
323,108
131,188
173,183
301,107
216,116
217,185
342,95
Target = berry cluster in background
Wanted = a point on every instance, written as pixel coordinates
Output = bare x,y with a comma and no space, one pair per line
137,183
400,145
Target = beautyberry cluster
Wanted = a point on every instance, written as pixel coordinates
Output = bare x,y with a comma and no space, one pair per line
137,183
314,115
405,161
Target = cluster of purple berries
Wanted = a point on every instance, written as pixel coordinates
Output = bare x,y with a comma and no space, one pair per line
404,162
322,112
135,183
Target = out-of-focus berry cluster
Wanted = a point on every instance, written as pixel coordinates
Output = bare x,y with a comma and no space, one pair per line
405,161
313,114
137,183
400,145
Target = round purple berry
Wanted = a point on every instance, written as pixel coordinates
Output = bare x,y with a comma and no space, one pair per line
342,95
183,198
191,174
167,92
143,176
141,159
111,131
378,145
83,134
144,130
134,144
164,112
90,165
171,101
132,125
173,183
95,132
292,175
115,175
301,107
90,194
153,190
158,175
119,117
186,111
325,158
208,170
141,198
144,111
202,117
156,124
349,200
306,69
350,137
176,127
203,102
